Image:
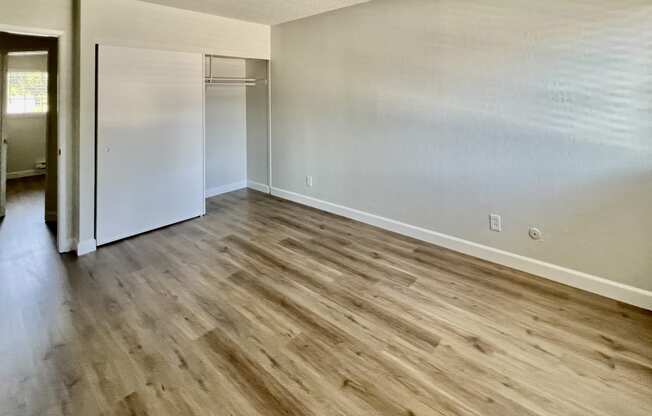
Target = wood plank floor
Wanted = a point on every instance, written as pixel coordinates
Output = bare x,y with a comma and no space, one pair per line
264,307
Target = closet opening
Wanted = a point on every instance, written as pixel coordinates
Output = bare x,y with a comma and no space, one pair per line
236,124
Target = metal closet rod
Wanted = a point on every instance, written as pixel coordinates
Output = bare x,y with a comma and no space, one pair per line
232,79
211,80
247,82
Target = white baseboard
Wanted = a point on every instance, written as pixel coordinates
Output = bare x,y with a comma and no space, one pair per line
67,246
86,247
225,189
594,284
25,173
256,186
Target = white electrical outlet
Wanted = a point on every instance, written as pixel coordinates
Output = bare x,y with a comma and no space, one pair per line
309,181
495,223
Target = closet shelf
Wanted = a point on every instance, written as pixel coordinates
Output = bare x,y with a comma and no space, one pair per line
212,80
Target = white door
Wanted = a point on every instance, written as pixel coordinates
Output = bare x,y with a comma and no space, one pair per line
3,130
150,140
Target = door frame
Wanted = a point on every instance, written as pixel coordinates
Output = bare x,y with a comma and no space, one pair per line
3,125
65,242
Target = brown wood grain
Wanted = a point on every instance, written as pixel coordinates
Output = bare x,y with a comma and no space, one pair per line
264,307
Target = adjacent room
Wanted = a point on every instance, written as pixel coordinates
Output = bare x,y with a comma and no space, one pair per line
28,145
334,207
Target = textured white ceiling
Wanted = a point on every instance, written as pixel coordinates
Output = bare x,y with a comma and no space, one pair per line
262,11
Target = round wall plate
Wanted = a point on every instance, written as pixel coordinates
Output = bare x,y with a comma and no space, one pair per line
535,234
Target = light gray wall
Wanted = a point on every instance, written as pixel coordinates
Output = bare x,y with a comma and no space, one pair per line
26,137
438,113
26,133
257,123
226,127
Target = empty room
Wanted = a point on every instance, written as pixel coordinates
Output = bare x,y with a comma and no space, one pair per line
333,207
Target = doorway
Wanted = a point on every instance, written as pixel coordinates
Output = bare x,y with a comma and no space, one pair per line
29,145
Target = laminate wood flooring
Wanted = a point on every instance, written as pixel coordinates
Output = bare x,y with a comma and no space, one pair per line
264,307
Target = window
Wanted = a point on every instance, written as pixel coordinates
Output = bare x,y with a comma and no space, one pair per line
27,92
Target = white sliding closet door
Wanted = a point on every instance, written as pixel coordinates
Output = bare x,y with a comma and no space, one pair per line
150,140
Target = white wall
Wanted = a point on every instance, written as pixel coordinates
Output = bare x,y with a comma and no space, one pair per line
26,132
438,113
53,17
26,137
139,24
226,130
258,125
